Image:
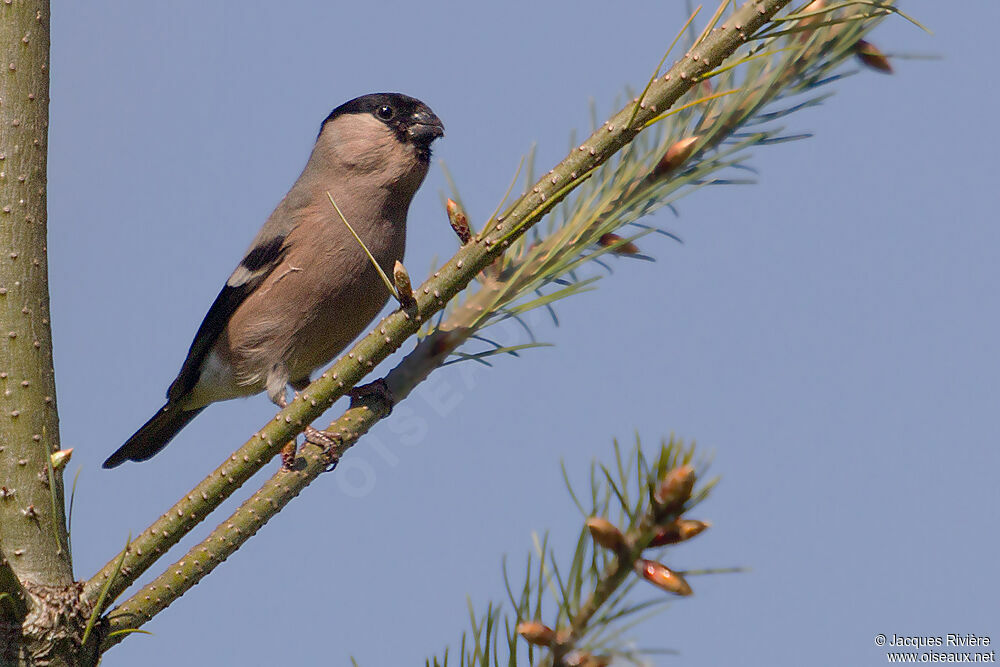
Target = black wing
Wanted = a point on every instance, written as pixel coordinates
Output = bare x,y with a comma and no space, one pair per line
259,261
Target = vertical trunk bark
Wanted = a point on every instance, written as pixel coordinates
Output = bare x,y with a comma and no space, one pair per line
40,619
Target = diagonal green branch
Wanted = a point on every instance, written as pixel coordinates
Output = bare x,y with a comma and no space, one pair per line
286,484
452,278
277,492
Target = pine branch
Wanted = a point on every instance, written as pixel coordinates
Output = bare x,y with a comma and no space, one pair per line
628,547
286,484
588,598
451,279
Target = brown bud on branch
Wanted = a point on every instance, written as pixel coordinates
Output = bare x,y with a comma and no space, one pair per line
60,458
676,155
663,577
403,286
459,221
678,530
815,6
871,56
605,533
536,633
676,488
626,248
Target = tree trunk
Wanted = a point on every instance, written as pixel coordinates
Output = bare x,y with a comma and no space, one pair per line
40,619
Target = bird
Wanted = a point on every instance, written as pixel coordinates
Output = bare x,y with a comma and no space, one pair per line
305,288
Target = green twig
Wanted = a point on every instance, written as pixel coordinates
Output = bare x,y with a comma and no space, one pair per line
656,72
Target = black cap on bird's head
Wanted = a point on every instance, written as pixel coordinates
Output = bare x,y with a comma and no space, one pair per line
411,120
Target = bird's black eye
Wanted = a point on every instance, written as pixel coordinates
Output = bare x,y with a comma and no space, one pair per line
385,112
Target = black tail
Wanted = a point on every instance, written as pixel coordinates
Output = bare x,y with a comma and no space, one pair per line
153,436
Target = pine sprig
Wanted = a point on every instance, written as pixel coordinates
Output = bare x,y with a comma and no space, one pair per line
694,145
580,610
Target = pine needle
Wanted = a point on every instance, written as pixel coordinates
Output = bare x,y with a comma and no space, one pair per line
385,279
99,605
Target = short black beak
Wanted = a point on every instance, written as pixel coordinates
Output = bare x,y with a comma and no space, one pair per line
425,127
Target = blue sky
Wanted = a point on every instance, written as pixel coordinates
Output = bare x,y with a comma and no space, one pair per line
829,334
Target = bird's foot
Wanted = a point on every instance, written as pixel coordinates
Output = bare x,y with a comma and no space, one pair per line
378,390
328,440
325,439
